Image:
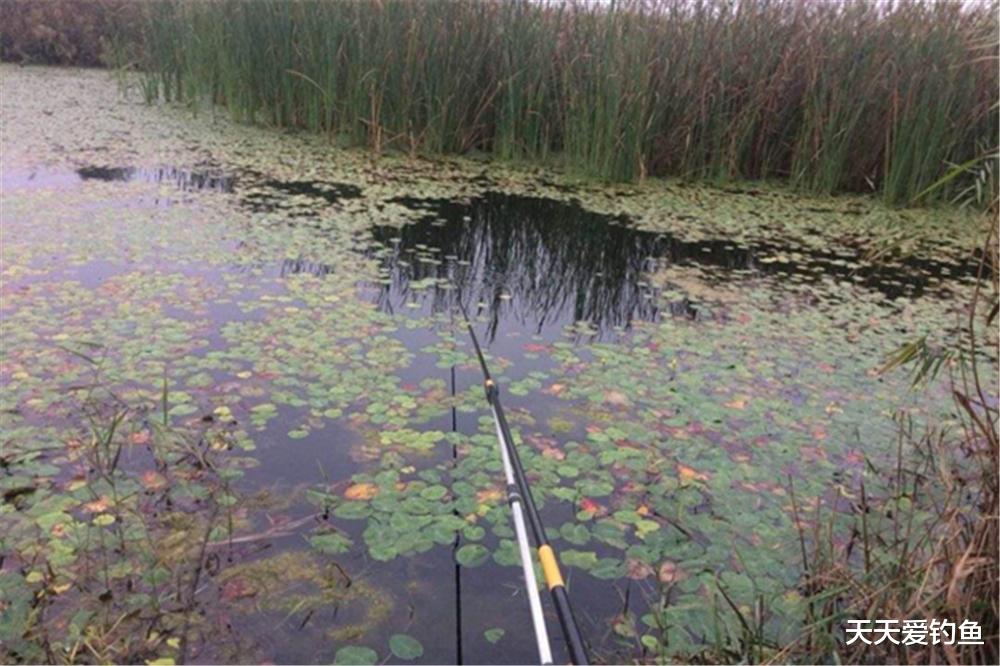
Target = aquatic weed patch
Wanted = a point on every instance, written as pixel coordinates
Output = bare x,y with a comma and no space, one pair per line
106,527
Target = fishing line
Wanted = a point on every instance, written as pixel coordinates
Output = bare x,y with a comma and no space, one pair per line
459,657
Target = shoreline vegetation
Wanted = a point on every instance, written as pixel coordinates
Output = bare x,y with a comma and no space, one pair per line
830,97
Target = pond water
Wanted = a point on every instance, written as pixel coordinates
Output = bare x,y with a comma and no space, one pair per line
672,358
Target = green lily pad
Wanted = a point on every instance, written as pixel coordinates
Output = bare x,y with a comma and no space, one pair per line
433,493
332,544
471,555
581,559
405,647
355,654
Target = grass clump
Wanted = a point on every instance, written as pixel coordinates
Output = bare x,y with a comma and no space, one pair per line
107,564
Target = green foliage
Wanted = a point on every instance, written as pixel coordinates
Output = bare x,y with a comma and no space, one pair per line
333,544
99,553
471,555
405,647
354,654
832,96
65,32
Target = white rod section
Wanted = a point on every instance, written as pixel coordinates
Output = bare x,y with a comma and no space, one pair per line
534,601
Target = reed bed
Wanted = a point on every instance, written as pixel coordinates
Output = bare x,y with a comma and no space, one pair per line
830,96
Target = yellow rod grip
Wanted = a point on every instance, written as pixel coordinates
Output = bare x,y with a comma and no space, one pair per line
550,567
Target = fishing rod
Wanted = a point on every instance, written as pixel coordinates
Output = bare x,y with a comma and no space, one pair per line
518,496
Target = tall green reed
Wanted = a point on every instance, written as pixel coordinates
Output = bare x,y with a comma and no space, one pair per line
851,96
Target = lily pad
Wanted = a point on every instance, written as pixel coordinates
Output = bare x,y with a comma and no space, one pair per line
354,654
405,647
471,555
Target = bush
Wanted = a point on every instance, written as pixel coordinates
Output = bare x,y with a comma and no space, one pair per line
62,32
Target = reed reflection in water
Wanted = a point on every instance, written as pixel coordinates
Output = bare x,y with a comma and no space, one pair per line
539,262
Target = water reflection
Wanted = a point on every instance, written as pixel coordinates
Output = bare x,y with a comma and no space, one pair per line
184,179
301,266
539,261
543,263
